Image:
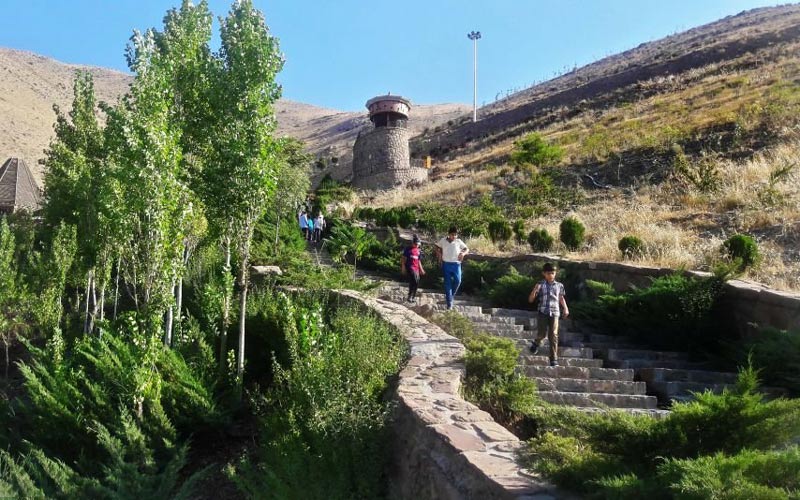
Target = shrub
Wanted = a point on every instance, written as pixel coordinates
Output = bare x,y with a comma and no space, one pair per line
720,446
702,174
631,246
479,275
455,324
540,240
742,249
499,230
533,149
491,381
572,233
674,312
519,231
327,436
777,354
511,290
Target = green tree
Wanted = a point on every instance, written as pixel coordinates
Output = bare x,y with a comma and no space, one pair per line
247,156
293,181
13,292
78,191
534,150
349,240
144,147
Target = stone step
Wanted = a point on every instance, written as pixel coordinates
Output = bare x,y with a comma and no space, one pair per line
599,399
666,391
571,371
626,354
531,360
458,308
604,346
590,385
650,375
638,364
515,313
598,337
493,320
647,412
565,351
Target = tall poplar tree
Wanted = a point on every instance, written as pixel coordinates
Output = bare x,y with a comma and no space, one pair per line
79,192
243,176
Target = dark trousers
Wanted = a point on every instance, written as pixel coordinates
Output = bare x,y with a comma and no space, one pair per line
413,283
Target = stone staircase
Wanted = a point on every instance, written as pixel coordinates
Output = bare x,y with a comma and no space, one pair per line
581,380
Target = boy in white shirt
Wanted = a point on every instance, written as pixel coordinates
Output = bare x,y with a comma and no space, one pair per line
450,251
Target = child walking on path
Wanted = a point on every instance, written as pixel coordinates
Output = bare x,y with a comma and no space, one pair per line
411,265
451,251
552,305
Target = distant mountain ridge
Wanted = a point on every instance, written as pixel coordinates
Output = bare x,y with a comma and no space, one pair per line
30,84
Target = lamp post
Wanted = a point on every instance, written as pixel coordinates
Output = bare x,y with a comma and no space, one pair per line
474,36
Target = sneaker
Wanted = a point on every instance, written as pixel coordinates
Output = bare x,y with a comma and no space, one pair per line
449,307
534,347
553,362
412,300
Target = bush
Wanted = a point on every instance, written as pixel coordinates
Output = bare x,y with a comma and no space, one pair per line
540,240
491,381
499,230
455,324
777,355
674,313
742,249
572,233
534,150
511,290
109,413
519,231
718,446
327,436
631,246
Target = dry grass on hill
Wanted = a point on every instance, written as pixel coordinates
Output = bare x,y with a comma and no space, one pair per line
680,226
686,229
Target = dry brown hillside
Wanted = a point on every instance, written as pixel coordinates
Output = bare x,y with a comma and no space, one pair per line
681,142
30,84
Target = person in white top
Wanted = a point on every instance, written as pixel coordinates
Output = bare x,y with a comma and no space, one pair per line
303,218
451,251
319,225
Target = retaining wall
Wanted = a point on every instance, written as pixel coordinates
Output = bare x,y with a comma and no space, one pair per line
444,447
747,307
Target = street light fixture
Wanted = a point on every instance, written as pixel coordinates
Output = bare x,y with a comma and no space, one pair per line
474,36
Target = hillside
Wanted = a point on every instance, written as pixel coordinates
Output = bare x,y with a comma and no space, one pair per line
682,142
30,84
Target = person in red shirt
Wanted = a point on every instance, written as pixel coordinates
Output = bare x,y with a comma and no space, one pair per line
411,266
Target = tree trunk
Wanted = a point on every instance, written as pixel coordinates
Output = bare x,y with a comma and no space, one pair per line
179,293
94,304
277,230
86,309
226,311
168,322
243,284
116,286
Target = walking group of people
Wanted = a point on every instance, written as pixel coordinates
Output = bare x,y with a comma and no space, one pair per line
311,226
548,294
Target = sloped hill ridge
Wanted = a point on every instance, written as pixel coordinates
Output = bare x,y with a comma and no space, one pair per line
30,84
719,41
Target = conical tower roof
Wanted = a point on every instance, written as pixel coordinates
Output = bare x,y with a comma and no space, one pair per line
18,188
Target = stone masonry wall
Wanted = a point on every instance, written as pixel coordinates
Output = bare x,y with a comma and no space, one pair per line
381,160
746,306
445,448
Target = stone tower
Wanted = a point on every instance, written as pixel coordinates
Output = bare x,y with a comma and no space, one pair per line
380,154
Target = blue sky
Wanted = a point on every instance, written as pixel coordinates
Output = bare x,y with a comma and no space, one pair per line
339,53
